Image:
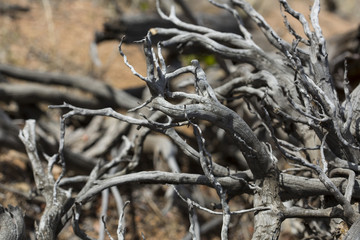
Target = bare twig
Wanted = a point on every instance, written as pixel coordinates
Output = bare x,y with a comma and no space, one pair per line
55,197
121,225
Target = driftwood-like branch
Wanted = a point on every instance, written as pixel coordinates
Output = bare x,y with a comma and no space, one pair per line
136,27
34,93
104,93
55,197
293,186
266,110
12,223
206,165
12,9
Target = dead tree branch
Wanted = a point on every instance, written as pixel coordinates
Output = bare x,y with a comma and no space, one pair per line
277,117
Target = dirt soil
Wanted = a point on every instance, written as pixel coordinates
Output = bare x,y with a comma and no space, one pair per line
56,36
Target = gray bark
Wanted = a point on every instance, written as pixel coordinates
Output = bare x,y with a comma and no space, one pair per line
12,223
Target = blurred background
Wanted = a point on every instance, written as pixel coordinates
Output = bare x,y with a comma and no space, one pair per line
56,35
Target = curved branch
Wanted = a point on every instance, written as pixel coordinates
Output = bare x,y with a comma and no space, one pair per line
157,177
257,157
87,84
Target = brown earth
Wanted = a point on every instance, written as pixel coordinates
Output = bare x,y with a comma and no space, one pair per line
58,38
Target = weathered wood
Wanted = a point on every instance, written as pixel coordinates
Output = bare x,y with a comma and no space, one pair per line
136,27
12,223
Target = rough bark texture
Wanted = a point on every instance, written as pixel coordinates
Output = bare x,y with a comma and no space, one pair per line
12,223
267,223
